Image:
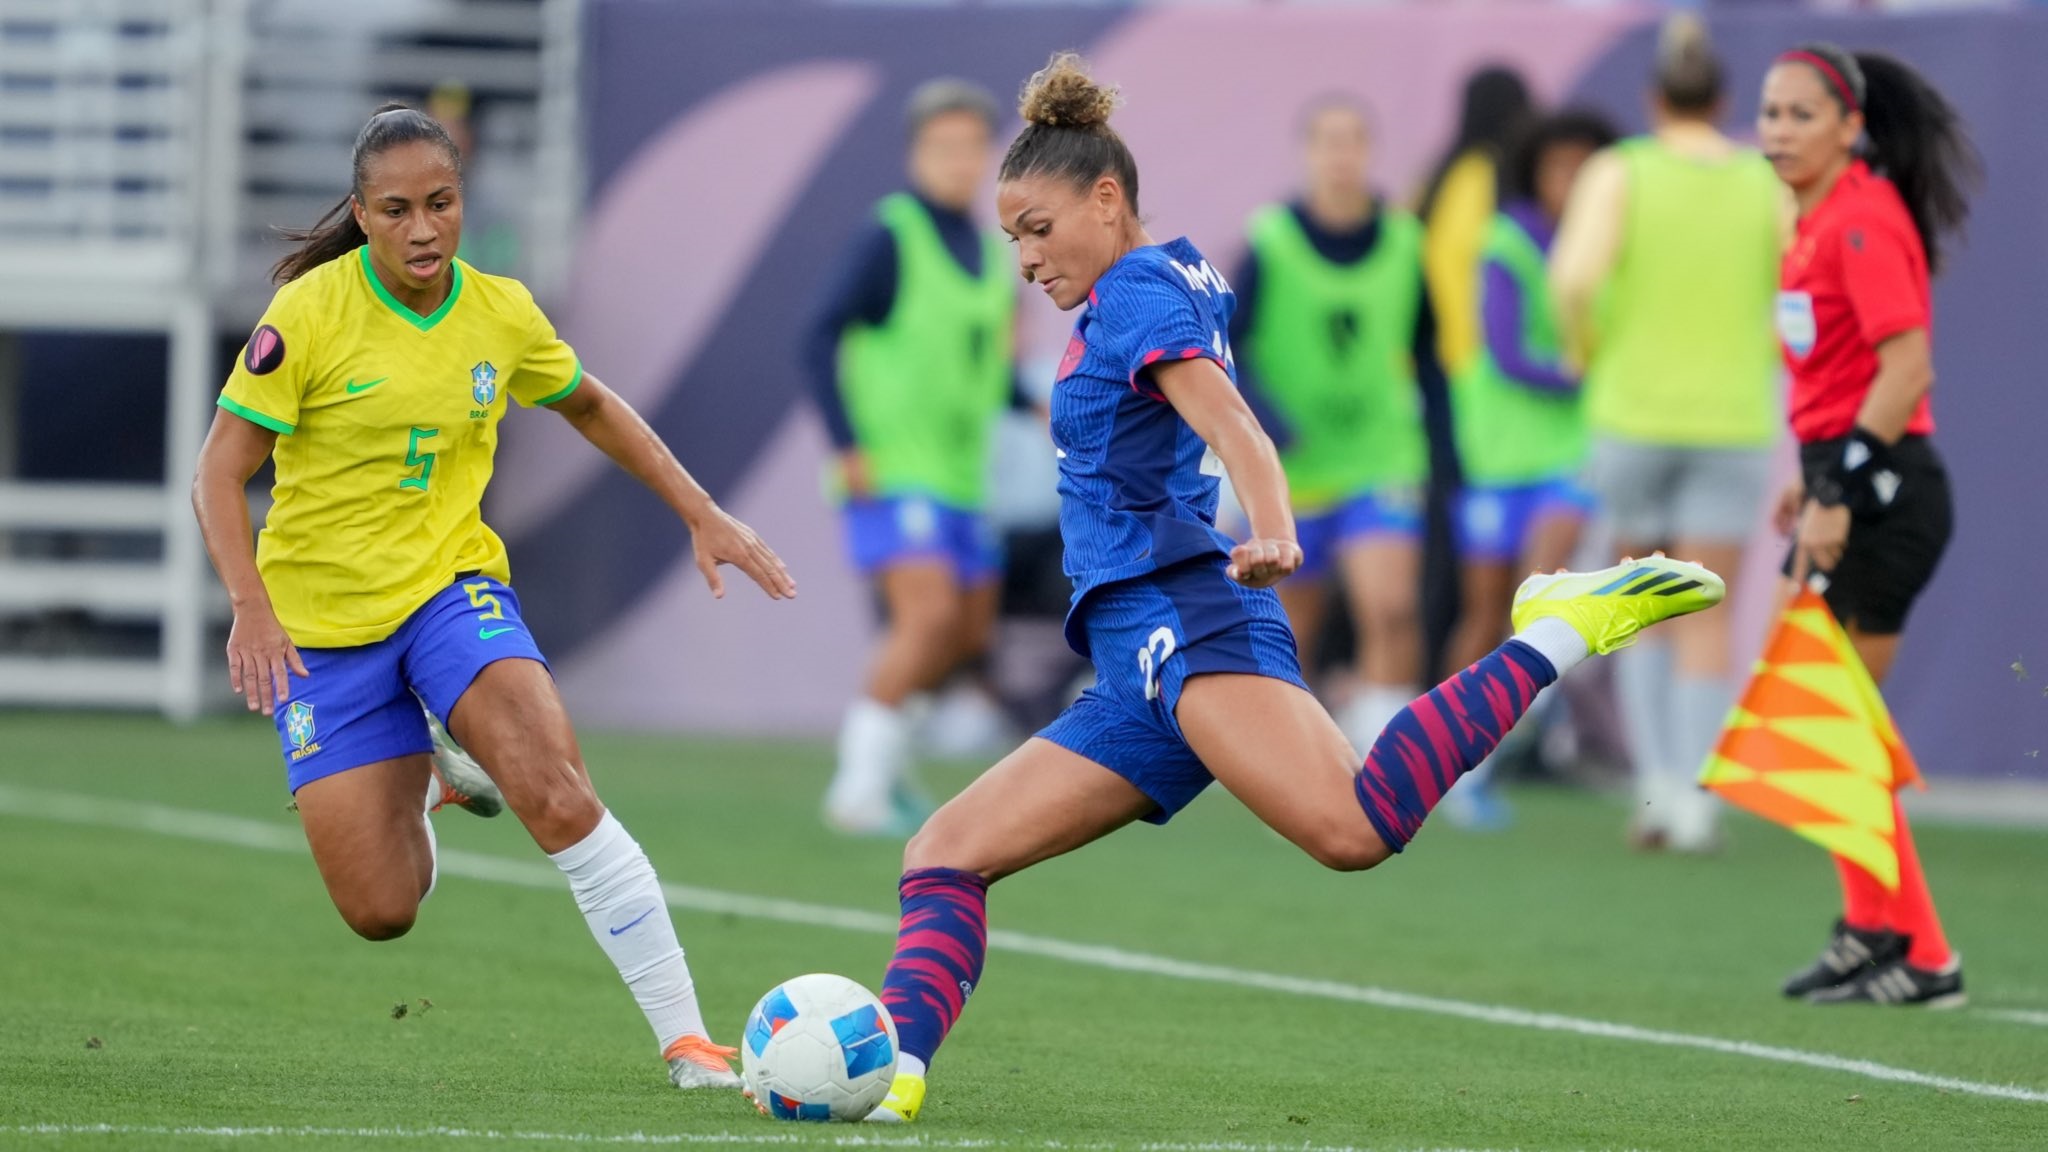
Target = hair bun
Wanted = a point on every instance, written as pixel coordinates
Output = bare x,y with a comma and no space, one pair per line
1683,37
1062,95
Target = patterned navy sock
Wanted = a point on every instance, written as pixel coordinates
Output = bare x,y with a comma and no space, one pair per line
1445,734
939,952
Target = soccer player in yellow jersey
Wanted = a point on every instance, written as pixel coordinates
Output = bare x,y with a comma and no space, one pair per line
376,380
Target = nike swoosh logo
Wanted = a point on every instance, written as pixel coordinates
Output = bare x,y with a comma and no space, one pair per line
635,920
354,387
487,633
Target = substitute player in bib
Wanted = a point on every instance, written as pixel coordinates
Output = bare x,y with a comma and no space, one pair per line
1521,431
1663,269
1196,678
910,362
376,381
1340,342
1872,511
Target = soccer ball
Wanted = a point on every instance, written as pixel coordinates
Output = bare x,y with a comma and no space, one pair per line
819,1047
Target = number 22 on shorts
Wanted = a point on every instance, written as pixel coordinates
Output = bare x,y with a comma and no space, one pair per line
1152,658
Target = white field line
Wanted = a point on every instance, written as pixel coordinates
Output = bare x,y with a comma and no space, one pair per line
804,1136
2016,1015
215,828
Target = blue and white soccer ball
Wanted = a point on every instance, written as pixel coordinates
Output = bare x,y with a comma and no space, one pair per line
819,1047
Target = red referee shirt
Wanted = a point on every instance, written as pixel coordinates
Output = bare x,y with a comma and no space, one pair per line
1855,277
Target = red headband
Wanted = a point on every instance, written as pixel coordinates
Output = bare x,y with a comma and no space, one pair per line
1828,72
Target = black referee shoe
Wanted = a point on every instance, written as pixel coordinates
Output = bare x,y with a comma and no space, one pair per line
1851,952
1900,983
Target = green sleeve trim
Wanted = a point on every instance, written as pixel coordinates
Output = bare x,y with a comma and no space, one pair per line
255,417
423,323
573,382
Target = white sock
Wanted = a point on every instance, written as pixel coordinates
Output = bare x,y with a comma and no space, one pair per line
620,897
1699,708
908,1065
874,743
1371,710
1559,642
1643,688
433,844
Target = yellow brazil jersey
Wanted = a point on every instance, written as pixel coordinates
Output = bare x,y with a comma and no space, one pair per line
388,423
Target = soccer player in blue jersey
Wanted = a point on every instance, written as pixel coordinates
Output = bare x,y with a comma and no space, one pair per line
1196,674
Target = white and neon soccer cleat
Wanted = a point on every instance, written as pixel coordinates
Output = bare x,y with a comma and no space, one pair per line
695,1062
1609,607
463,781
905,1100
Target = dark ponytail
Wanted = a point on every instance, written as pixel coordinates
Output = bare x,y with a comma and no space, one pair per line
1918,141
1912,134
337,233
1066,130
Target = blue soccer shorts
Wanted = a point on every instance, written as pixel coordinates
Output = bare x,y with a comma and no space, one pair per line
1386,512
890,530
362,704
1148,637
1494,523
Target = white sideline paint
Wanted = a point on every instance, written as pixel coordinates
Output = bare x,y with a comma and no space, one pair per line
801,1136
215,828
2018,1016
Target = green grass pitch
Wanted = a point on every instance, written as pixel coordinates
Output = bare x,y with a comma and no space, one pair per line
154,985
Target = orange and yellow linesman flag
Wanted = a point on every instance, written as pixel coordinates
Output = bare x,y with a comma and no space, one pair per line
1810,745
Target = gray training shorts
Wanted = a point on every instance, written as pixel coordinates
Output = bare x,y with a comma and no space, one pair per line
1657,494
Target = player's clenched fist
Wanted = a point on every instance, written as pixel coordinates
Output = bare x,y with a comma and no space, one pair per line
1264,563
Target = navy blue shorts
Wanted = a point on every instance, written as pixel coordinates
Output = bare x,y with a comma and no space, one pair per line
892,529
362,704
1494,523
1148,637
1388,512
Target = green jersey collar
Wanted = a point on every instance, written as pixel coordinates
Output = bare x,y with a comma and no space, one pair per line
423,323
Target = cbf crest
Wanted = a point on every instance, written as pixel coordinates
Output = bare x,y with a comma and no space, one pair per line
298,728
483,384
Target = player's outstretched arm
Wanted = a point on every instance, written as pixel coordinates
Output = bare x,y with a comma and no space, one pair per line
1213,407
618,431
260,654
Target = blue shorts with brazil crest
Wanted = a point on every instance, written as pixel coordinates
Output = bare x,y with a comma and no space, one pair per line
1148,636
362,704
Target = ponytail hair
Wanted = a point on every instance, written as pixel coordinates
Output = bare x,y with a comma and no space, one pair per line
1066,130
1912,136
337,233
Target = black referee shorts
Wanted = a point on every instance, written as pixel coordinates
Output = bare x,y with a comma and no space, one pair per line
1892,554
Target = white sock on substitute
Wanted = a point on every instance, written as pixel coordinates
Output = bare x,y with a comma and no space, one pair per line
874,742
620,897
1371,710
433,844
1559,642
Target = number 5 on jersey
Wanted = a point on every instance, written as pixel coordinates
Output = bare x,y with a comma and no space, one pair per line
414,458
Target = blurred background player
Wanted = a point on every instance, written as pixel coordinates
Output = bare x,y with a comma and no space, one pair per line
1676,236
1338,340
910,361
377,380
1521,433
1872,510
1196,677
1458,203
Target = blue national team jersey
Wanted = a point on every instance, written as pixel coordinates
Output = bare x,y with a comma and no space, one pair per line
1138,488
